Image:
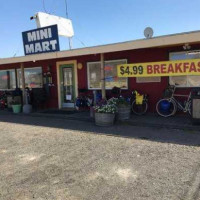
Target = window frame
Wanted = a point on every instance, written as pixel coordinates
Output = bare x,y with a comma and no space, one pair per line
15,79
170,77
99,62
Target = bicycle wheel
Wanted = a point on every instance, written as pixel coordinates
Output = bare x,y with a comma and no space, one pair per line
166,107
139,109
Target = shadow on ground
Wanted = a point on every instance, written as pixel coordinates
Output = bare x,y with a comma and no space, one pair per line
143,131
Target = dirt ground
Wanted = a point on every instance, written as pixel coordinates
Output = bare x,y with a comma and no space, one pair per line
59,159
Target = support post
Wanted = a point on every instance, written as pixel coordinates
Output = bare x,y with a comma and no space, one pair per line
23,83
103,85
16,82
70,43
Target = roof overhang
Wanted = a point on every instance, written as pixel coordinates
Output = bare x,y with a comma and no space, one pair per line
168,40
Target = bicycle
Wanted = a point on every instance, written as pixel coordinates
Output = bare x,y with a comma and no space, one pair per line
84,101
167,107
139,103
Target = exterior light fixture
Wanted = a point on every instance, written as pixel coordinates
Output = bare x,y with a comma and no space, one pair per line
186,46
80,66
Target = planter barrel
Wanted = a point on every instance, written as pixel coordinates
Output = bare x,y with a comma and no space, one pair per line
104,119
17,108
123,113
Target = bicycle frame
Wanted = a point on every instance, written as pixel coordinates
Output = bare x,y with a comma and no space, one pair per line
187,104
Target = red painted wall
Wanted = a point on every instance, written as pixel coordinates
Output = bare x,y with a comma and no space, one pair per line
154,90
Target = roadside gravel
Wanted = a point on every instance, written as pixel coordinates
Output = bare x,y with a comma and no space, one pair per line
57,159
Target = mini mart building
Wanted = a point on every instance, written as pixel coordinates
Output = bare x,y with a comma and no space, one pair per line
80,69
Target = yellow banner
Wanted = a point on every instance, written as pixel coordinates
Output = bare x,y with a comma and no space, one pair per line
166,68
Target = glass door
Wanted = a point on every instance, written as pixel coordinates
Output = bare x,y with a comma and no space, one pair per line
67,86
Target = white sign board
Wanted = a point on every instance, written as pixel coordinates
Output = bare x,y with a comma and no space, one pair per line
65,27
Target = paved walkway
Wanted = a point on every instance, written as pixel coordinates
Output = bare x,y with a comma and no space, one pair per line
153,120
183,122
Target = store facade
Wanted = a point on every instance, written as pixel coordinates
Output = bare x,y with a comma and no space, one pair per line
65,74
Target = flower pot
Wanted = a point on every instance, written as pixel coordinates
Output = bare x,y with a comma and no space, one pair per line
123,113
17,108
104,119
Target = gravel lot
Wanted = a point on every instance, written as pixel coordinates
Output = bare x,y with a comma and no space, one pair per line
57,159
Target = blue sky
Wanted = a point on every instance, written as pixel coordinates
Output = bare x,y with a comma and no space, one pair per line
98,22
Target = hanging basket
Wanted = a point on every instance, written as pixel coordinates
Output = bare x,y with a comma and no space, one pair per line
104,119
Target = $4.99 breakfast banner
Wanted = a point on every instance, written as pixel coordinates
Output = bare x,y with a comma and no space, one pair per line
168,68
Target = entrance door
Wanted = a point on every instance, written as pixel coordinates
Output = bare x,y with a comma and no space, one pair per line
67,85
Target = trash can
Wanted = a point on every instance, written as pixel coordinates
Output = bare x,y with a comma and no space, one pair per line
195,106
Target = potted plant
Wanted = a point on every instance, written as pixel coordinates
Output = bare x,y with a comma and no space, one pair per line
16,106
123,109
105,114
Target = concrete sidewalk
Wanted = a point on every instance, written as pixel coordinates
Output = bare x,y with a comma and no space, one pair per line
181,122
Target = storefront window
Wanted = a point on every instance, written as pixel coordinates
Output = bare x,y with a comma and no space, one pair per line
111,79
185,81
7,79
33,77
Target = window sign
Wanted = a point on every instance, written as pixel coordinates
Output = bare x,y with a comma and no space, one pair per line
41,40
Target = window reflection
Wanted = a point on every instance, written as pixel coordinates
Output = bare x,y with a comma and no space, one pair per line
33,77
7,79
111,78
185,81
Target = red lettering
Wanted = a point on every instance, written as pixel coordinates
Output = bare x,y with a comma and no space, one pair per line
185,66
156,69
198,66
149,69
192,67
178,67
163,68
170,69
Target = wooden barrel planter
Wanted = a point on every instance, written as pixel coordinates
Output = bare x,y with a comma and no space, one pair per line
123,113
104,119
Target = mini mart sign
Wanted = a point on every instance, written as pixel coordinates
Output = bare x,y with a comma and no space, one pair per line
41,40
168,68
